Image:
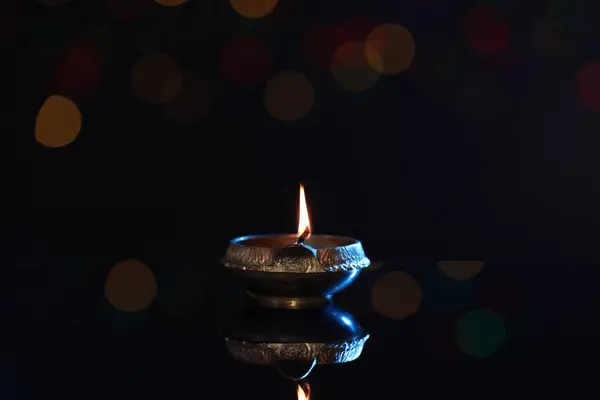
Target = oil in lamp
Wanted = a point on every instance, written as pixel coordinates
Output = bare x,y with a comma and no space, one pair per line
295,271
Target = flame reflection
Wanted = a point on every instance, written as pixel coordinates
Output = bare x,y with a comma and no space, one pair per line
303,391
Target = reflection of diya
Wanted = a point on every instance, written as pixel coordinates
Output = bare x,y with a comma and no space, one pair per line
295,341
295,271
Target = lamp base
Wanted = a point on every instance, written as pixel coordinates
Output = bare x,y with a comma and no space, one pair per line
290,303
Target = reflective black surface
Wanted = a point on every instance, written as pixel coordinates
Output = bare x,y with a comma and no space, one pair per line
70,340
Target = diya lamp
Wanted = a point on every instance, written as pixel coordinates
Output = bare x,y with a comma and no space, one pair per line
295,341
295,271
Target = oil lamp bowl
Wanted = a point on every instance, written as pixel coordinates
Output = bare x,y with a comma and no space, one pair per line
277,272
295,341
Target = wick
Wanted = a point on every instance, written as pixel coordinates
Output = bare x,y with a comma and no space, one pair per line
303,237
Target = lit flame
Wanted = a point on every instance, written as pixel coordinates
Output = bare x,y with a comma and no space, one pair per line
303,218
303,392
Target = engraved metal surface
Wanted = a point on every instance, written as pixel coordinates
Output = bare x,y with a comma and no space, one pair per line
273,353
280,253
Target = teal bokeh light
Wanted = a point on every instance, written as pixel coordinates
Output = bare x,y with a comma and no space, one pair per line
480,332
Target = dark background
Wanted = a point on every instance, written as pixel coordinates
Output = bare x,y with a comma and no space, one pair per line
478,151
467,154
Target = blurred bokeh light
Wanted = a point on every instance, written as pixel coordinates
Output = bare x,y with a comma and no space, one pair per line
130,286
289,96
171,3
394,49
192,103
486,30
78,71
480,332
58,122
156,78
588,86
254,8
460,270
396,295
245,60
352,67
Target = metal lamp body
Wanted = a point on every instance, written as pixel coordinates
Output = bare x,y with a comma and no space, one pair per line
279,273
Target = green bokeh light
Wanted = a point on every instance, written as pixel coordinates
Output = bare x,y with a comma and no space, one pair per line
480,332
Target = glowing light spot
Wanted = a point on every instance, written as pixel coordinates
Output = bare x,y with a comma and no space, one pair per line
254,8
588,86
78,72
156,78
460,270
394,49
192,103
351,69
485,30
130,286
53,3
396,295
127,9
289,96
480,332
58,122
245,60
171,3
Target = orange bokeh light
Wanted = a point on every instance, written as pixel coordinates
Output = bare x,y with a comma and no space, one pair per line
394,49
254,8
289,96
352,69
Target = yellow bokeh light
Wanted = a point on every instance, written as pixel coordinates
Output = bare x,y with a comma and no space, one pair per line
254,8
351,69
156,78
394,49
460,270
130,286
58,122
396,295
171,3
289,96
